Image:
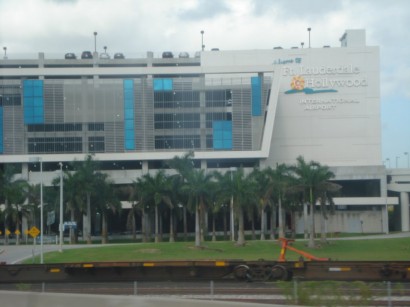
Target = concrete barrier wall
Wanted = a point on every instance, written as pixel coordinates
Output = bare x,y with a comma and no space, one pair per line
31,299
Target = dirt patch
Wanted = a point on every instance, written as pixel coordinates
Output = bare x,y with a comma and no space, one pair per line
206,248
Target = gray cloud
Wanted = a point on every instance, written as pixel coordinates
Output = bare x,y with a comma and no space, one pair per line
286,8
204,9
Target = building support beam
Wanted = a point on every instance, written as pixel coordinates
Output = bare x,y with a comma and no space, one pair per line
404,201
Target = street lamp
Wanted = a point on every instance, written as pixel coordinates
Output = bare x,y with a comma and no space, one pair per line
302,43
61,207
5,53
202,40
95,41
388,160
408,159
309,35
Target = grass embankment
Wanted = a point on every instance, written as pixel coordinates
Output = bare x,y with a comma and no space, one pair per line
375,249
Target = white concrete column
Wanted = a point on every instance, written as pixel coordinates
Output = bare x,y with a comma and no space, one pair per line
404,201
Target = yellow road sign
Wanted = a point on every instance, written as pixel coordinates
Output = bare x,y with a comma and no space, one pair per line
8,232
17,232
34,232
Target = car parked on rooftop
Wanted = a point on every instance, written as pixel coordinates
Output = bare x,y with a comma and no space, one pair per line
183,55
86,55
104,56
70,56
167,55
119,55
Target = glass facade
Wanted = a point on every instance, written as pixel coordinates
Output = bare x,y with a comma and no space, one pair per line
33,101
140,114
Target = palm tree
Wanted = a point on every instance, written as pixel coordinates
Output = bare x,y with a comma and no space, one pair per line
155,190
12,192
279,179
243,191
73,200
197,188
263,195
313,181
106,200
86,171
184,166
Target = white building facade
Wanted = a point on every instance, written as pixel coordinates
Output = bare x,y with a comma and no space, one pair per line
232,108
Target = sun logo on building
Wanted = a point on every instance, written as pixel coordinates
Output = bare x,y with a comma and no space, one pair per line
298,83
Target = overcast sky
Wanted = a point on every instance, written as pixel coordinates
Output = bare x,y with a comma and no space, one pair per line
136,26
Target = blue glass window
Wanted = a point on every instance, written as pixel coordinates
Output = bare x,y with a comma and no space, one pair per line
129,125
33,102
222,134
163,85
256,96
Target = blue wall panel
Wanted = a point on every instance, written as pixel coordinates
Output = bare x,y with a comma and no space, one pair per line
222,134
256,96
33,102
163,85
129,125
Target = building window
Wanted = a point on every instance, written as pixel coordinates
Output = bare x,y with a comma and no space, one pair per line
33,101
55,145
256,96
222,134
96,144
177,142
163,84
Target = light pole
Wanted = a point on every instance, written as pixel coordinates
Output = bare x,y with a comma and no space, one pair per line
232,169
397,161
95,41
309,35
408,159
302,43
5,53
61,207
388,160
202,40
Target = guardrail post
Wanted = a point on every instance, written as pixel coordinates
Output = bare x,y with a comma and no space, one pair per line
212,289
295,290
389,294
135,288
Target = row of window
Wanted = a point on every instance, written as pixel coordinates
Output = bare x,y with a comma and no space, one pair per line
65,144
64,127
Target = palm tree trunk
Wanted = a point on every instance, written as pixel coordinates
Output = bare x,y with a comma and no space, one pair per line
253,227
133,225
104,234
311,243
322,225
143,226
88,234
280,213
185,224
263,223
241,228
272,223
213,228
197,230
72,233
171,226
156,225
305,220
225,226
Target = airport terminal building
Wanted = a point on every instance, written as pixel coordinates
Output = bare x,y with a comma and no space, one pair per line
241,108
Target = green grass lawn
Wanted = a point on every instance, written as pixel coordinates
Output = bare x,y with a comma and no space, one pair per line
375,249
